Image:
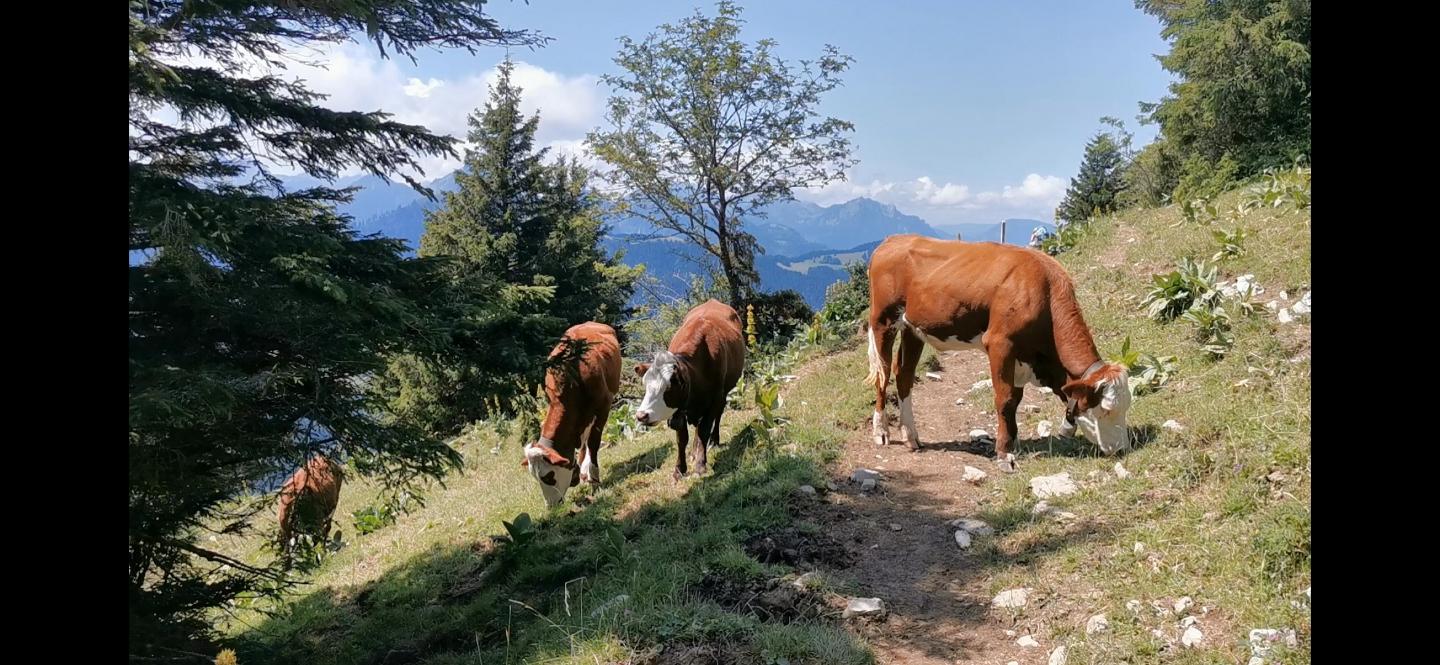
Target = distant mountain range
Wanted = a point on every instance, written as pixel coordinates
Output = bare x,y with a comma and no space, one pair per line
806,245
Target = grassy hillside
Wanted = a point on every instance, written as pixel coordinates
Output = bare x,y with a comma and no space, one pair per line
1218,511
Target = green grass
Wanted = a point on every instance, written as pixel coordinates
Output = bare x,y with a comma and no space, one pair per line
612,581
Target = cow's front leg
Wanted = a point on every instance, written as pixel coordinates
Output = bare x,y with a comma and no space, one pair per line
1007,401
682,438
704,429
911,346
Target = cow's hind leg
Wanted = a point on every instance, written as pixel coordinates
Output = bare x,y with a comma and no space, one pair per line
1007,399
880,341
590,468
911,346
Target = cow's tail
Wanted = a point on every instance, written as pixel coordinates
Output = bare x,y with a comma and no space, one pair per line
877,366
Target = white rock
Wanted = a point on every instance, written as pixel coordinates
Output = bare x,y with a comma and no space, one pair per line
1192,637
1046,391
1097,624
867,485
1060,484
1013,662
962,538
862,606
1043,428
1273,305
1183,603
1041,508
973,475
1284,295
806,489
1172,425
932,376
1263,640
1303,306
1307,592
1011,598
1255,660
1284,316
1121,472
1159,633
1133,606
1059,656
974,526
959,401
1139,547
895,527
1188,622
862,475
979,434
1010,633
1027,641
981,385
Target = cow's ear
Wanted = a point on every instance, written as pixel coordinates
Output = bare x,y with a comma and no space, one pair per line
1082,393
641,369
557,459
524,462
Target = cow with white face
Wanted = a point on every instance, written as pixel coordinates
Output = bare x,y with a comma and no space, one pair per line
687,384
581,389
1018,307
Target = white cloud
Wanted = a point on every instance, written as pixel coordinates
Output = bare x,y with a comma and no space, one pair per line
355,78
951,203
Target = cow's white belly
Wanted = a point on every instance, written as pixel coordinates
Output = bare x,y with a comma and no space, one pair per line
1024,374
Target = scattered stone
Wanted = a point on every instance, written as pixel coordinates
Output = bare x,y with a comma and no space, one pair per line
863,607
1027,641
1273,305
1121,472
861,475
1172,425
808,580
1097,624
1010,633
962,538
973,475
1210,516
981,385
1041,508
806,489
1183,604
1043,429
1064,516
1159,633
1284,316
1306,592
831,486
1060,484
1303,306
1255,660
1139,547
1188,622
1263,640
1284,295
932,376
976,434
867,485
1192,637
1011,598
894,526
959,401
1133,606
1059,656
973,526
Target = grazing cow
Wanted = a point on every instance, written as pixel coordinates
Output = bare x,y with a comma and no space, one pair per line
1015,304
687,384
581,392
308,500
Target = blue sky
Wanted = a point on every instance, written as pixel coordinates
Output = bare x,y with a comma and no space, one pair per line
965,111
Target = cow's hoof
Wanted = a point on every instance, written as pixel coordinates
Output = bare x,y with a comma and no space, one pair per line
882,439
677,476
587,479
1006,463
914,446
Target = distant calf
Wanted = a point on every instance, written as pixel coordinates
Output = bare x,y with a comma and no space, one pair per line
1015,305
580,392
687,384
308,500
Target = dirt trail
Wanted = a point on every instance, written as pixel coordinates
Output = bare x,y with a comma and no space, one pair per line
937,598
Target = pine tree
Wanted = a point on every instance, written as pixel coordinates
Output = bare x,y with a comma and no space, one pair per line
258,315
1097,186
533,228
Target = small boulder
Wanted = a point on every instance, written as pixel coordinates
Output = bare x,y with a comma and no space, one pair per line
1043,429
1121,472
863,607
1097,624
1027,641
974,526
1011,598
932,376
962,538
977,434
895,527
973,475
1059,656
1060,484
1192,637
1183,603
861,475
867,485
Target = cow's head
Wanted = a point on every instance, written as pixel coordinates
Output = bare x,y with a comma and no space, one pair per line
1099,404
555,473
665,389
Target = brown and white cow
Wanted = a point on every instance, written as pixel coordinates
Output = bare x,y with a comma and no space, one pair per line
307,501
581,392
1016,305
687,384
